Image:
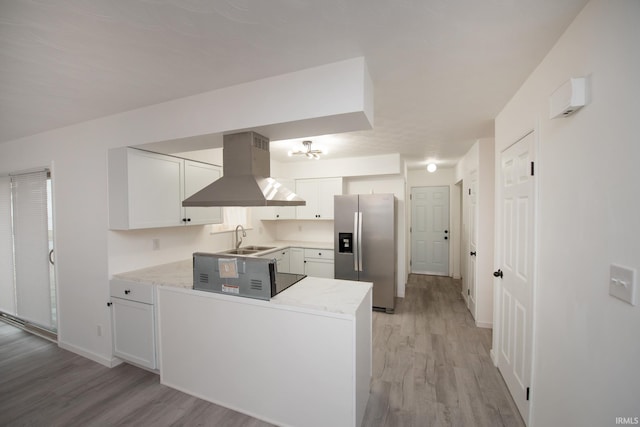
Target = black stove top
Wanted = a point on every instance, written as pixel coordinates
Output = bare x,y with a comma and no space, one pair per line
284,280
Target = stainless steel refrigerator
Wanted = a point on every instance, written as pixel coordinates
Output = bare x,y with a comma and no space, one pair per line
365,243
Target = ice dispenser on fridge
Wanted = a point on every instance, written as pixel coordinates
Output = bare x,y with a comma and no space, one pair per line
345,243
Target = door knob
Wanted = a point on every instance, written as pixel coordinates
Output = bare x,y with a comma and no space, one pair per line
497,273
446,231
473,253
446,238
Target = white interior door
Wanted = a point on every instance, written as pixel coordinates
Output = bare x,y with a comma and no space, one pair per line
430,230
516,263
473,240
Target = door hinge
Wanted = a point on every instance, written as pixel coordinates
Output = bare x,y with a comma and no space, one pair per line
528,390
410,196
469,191
410,229
532,169
410,262
468,291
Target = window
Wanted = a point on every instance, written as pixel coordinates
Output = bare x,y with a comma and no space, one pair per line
232,216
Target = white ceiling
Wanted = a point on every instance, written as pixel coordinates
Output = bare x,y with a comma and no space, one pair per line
442,69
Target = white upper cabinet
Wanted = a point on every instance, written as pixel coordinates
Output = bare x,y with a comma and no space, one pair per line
146,190
198,175
278,212
318,193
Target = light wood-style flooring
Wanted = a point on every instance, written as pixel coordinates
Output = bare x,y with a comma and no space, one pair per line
431,364
431,367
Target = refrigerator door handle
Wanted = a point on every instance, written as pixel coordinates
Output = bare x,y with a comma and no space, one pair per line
360,241
356,241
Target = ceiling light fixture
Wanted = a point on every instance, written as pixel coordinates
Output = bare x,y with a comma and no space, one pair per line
308,152
432,167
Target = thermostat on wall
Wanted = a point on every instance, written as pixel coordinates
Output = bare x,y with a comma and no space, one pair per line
568,98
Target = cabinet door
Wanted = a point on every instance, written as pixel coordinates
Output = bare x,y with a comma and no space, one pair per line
197,176
327,188
308,190
296,260
134,332
286,212
318,194
284,261
318,268
278,212
155,189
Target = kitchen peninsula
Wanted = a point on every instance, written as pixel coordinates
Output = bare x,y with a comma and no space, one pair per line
302,358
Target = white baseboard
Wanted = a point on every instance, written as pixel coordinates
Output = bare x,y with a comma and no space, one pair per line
487,325
492,354
109,362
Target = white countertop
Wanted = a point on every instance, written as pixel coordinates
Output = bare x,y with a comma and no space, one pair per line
299,244
178,274
336,296
330,295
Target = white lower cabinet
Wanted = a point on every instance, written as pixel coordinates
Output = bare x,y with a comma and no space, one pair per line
296,260
319,263
283,261
282,258
133,320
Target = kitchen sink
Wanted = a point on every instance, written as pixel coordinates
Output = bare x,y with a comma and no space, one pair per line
241,251
257,248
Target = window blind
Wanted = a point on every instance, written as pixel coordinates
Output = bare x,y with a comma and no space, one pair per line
7,287
31,248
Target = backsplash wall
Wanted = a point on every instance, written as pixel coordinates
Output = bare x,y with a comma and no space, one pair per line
133,249
305,231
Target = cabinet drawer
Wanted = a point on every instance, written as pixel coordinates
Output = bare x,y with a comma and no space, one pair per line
132,291
318,253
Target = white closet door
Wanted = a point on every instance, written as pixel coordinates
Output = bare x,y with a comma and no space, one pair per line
31,243
7,289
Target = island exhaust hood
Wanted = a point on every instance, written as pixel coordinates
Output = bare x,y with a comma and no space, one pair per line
245,180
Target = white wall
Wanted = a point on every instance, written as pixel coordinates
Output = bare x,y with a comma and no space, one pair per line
586,343
77,156
386,164
479,159
441,177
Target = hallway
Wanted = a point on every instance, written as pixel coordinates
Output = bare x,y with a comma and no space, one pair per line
431,365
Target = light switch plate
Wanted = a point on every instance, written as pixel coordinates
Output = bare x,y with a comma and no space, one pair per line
622,283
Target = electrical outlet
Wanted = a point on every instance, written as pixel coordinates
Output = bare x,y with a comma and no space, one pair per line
156,244
622,283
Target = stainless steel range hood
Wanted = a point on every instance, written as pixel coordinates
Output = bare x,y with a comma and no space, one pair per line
245,181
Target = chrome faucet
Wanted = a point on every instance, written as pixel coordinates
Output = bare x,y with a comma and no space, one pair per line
239,239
